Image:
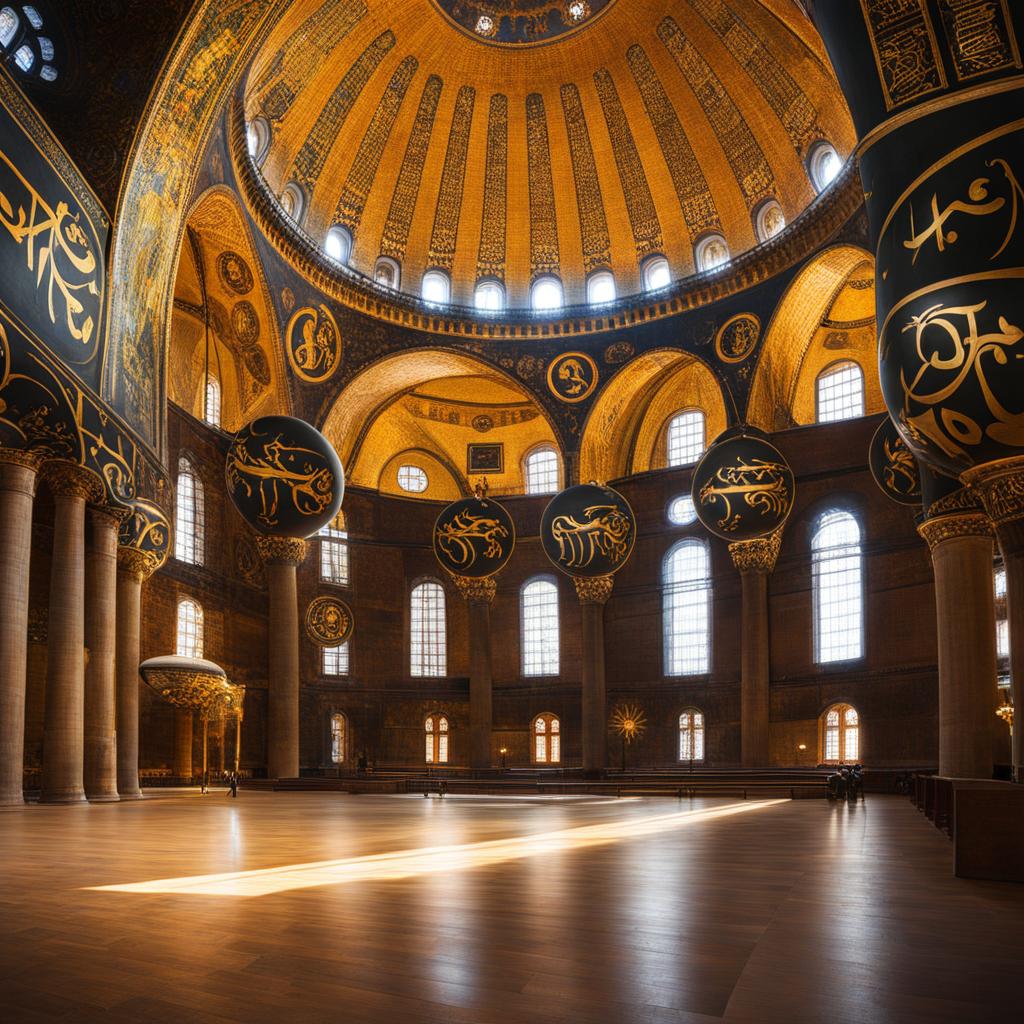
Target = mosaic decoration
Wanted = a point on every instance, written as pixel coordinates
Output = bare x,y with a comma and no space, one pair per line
313,342
893,465
407,189
309,163
521,22
147,530
588,531
466,414
748,162
905,48
485,458
778,87
474,537
491,258
572,376
743,488
255,361
234,273
245,323
360,178
737,337
544,251
695,197
303,54
249,564
192,684
597,244
453,179
284,477
618,352
329,621
981,37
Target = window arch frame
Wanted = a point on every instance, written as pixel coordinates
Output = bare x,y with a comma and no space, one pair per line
338,752
819,522
674,653
443,278
843,729
551,737
830,370
670,423
298,201
650,267
493,286
595,279
761,216
437,731
213,418
700,250
190,636
431,648
816,156
343,236
396,270
258,130
548,667
190,544
694,749
536,287
544,448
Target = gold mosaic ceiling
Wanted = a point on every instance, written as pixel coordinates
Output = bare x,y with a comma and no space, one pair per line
638,134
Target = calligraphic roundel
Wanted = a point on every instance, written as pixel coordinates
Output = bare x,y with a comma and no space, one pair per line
743,487
284,477
329,621
474,537
893,465
588,530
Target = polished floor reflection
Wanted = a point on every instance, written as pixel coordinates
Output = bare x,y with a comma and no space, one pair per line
323,907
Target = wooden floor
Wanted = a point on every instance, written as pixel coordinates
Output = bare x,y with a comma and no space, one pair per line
583,911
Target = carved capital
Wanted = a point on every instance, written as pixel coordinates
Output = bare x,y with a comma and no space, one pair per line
1001,487
110,516
281,550
595,590
140,564
973,524
965,501
20,457
476,590
757,555
69,480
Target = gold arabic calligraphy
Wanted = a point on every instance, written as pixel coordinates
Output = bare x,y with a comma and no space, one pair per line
761,484
462,538
604,532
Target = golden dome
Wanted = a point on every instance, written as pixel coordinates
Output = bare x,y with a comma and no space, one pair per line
649,128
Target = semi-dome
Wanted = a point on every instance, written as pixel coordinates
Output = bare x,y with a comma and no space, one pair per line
499,153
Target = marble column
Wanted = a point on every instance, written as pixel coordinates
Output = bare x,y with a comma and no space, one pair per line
755,560
593,595
64,719
133,568
479,595
282,556
962,551
183,743
101,640
17,494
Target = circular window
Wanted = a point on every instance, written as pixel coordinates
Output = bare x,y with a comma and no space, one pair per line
681,511
412,479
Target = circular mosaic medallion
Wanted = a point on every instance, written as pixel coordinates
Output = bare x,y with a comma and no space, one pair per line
256,363
588,530
572,376
245,322
893,465
329,621
737,337
474,537
235,273
314,344
521,22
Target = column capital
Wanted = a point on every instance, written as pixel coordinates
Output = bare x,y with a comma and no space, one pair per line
281,550
971,524
757,555
111,516
593,590
1000,486
23,457
140,564
475,589
70,480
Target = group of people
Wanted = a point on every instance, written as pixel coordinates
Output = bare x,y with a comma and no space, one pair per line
846,784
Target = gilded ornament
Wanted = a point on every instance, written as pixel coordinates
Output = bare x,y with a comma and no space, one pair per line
287,299
737,337
572,376
474,537
952,527
329,621
981,37
588,530
245,322
281,550
313,342
140,564
235,273
757,555
893,465
594,589
192,684
148,531
629,721
20,457
1001,487
473,589
71,481
618,352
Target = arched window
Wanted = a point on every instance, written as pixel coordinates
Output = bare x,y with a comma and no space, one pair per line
334,552
34,54
211,407
685,439
489,296
436,287
546,294
428,634
547,740
681,511
339,730
541,471
712,252
655,273
436,729
601,287
686,608
293,201
335,660
836,567
840,735
770,220
189,515
412,479
9,23
824,165
387,272
538,603
840,392
257,139
1002,628
691,735
190,629
338,243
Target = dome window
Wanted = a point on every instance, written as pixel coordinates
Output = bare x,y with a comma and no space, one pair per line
770,221
489,296
257,137
576,11
412,479
9,23
338,244
601,287
486,26
712,253
655,273
824,165
546,294
35,19
436,287
48,73
387,273
24,57
293,201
